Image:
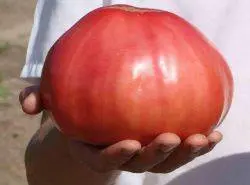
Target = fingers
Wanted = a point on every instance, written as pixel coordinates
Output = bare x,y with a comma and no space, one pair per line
186,152
153,154
165,154
30,100
104,160
213,139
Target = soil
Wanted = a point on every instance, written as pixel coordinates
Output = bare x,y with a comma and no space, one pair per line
16,128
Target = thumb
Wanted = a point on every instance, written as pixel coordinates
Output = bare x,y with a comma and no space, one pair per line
30,100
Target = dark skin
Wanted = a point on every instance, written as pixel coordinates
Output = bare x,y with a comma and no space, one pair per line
52,158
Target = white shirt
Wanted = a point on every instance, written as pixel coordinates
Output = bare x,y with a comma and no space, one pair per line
227,24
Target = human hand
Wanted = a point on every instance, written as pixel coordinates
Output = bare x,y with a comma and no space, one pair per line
163,155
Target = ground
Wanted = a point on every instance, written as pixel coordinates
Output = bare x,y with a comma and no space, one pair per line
16,128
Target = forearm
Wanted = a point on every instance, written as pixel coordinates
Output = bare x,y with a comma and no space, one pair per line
48,161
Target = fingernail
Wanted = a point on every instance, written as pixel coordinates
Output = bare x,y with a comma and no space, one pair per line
30,95
127,153
28,99
167,148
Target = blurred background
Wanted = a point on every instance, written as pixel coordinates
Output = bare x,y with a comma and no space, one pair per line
16,128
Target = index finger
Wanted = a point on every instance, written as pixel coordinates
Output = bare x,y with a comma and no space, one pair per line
103,160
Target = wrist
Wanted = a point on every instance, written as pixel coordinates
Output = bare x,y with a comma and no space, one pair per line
48,161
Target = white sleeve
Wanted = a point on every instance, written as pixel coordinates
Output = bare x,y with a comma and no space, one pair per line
33,65
52,18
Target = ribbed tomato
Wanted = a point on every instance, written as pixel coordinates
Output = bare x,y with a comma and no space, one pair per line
123,72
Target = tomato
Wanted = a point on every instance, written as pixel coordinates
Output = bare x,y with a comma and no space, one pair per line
124,72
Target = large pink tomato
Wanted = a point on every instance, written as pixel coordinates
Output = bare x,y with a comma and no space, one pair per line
123,72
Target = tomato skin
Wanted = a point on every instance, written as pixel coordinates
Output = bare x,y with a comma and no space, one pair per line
123,72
